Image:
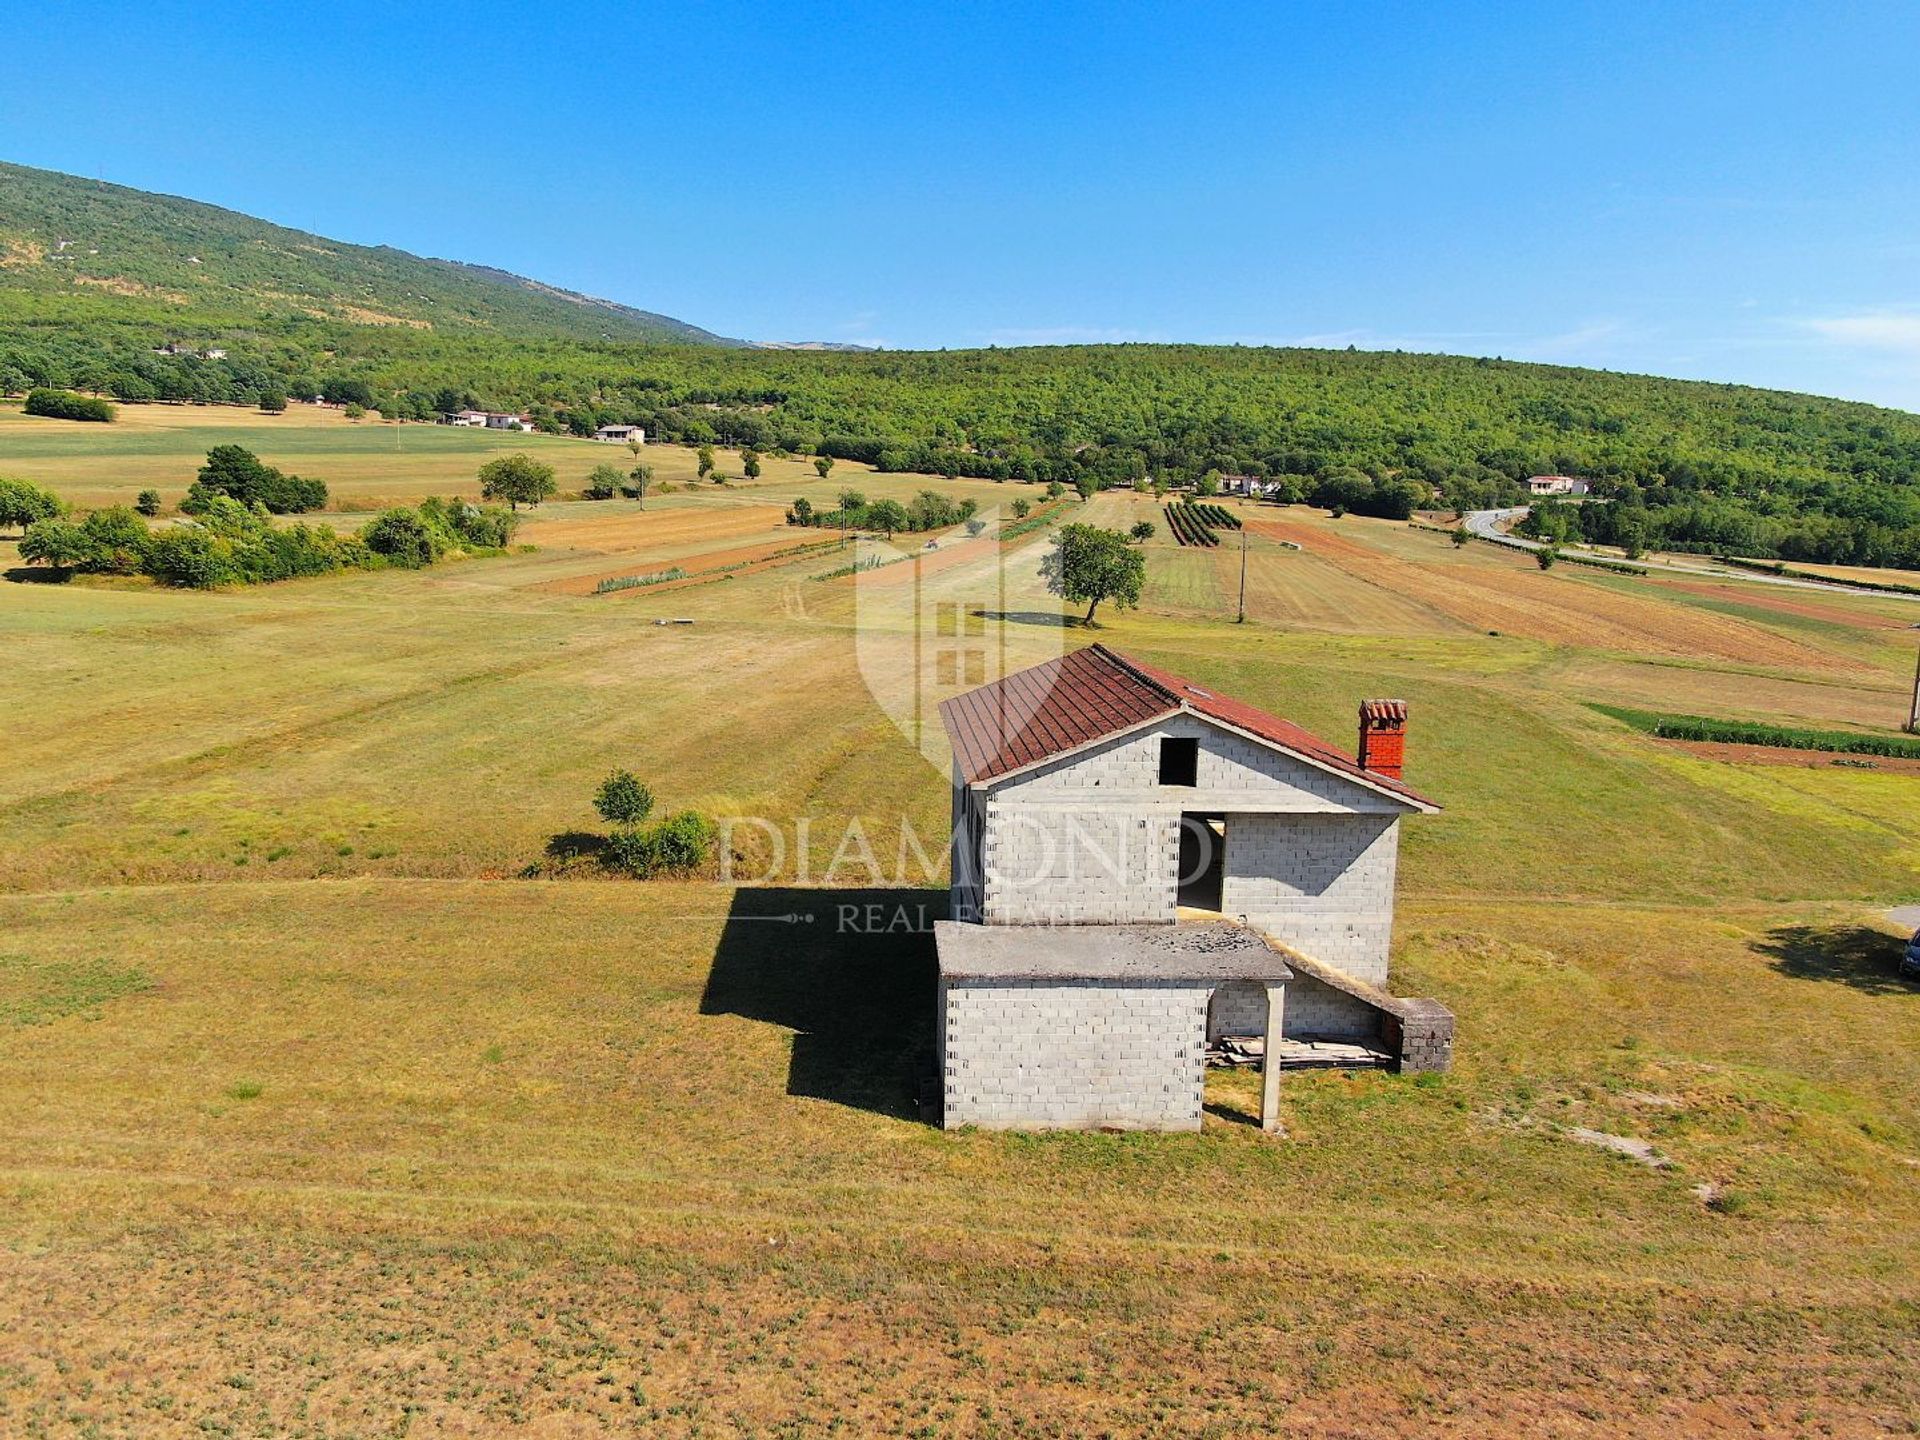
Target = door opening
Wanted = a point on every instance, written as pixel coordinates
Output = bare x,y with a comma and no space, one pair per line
1203,861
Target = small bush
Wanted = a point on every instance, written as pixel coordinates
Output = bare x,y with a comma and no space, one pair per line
117,542
404,538
603,483
683,842
148,503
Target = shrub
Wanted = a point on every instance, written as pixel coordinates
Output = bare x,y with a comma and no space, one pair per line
678,845
117,542
193,558
405,538
603,483
65,405
1546,557
682,842
630,850
148,503
273,402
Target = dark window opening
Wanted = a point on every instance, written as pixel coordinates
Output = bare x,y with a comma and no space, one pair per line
1179,762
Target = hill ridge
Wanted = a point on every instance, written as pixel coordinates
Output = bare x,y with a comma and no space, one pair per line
68,237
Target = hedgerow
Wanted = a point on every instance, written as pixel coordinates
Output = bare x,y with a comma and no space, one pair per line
228,543
1747,732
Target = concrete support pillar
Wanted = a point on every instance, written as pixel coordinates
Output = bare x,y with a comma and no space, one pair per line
1270,1059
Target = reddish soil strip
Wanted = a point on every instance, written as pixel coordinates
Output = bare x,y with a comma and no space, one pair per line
1517,598
1809,610
1800,759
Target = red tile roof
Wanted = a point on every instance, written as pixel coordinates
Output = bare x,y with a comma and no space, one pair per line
1067,704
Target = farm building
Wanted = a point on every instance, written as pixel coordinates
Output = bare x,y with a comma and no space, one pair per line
621,434
1556,485
1141,868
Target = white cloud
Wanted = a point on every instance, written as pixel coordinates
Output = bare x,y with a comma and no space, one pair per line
1875,329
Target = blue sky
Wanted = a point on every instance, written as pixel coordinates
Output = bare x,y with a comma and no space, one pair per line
1728,192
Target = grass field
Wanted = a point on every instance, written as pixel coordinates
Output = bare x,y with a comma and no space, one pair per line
322,1121
366,463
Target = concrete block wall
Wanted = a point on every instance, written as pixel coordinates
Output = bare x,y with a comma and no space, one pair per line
1233,772
1079,865
1320,883
1093,838
1240,1008
1073,1054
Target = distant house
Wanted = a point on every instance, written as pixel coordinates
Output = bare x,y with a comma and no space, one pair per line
1556,485
213,353
501,420
621,434
474,419
1252,486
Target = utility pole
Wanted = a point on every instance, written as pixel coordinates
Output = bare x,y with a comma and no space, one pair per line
1243,613
1913,708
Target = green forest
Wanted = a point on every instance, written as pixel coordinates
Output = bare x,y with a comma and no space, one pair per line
1685,465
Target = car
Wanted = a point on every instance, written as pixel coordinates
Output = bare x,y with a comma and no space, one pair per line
1910,958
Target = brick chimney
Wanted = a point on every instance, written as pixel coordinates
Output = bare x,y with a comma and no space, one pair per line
1383,736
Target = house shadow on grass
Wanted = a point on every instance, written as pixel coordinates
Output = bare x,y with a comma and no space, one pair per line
851,973
1856,955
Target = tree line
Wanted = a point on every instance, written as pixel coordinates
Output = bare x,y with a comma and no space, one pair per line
1370,432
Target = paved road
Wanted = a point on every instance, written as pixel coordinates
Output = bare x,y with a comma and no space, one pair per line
1486,524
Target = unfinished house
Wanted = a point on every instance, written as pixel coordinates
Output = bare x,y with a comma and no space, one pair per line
1144,869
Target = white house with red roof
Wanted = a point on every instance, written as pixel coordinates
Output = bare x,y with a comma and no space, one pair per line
1232,874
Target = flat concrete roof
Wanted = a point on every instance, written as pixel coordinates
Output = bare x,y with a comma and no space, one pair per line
1210,950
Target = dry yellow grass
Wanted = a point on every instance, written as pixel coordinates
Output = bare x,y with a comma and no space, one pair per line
320,1120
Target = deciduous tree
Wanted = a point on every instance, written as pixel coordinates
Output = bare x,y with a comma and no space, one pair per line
1092,564
517,479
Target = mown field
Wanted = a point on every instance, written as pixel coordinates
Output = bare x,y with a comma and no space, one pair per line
323,1121
366,463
